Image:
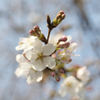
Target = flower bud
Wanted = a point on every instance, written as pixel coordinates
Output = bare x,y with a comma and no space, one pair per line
70,60
53,55
53,74
63,38
42,38
37,29
60,16
48,19
37,32
63,16
57,78
63,45
32,33
68,44
61,12
61,70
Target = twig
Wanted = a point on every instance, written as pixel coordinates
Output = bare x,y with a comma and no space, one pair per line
49,30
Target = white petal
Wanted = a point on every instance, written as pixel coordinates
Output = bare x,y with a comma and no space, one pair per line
19,72
48,49
72,54
30,76
33,38
83,74
26,43
49,62
67,52
38,65
63,91
69,38
30,54
74,46
21,47
38,76
26,66
20,58
23,40
38,46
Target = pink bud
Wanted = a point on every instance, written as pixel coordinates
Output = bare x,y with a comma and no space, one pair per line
31,31
58,16
62,12
36,27
68,44
57,79
63,16
53,55
70,60
61,70
64,38
52,74
63,45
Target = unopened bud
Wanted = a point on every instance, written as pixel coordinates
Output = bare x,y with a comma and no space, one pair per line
48,19
63,45
53,74
61,12
42,38
63,38
63,16
60,16
53,55
35,32
68,44
61,70
31,31
57,79
70,60
37,29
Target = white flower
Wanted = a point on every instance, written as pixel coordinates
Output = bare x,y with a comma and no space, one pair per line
83,74
25,43
40,57
26,69
71,86
66,54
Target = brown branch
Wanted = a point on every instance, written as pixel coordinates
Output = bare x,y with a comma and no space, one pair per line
49,30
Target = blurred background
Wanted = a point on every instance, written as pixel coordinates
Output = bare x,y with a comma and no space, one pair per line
82,22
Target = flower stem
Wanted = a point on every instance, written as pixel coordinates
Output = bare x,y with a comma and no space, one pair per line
49,30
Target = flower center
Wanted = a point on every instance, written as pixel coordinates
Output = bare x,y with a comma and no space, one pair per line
65,58
68,84
40,56
20,43
30,42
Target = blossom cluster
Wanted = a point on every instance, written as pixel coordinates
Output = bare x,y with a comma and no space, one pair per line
75,86
39,55
36,57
